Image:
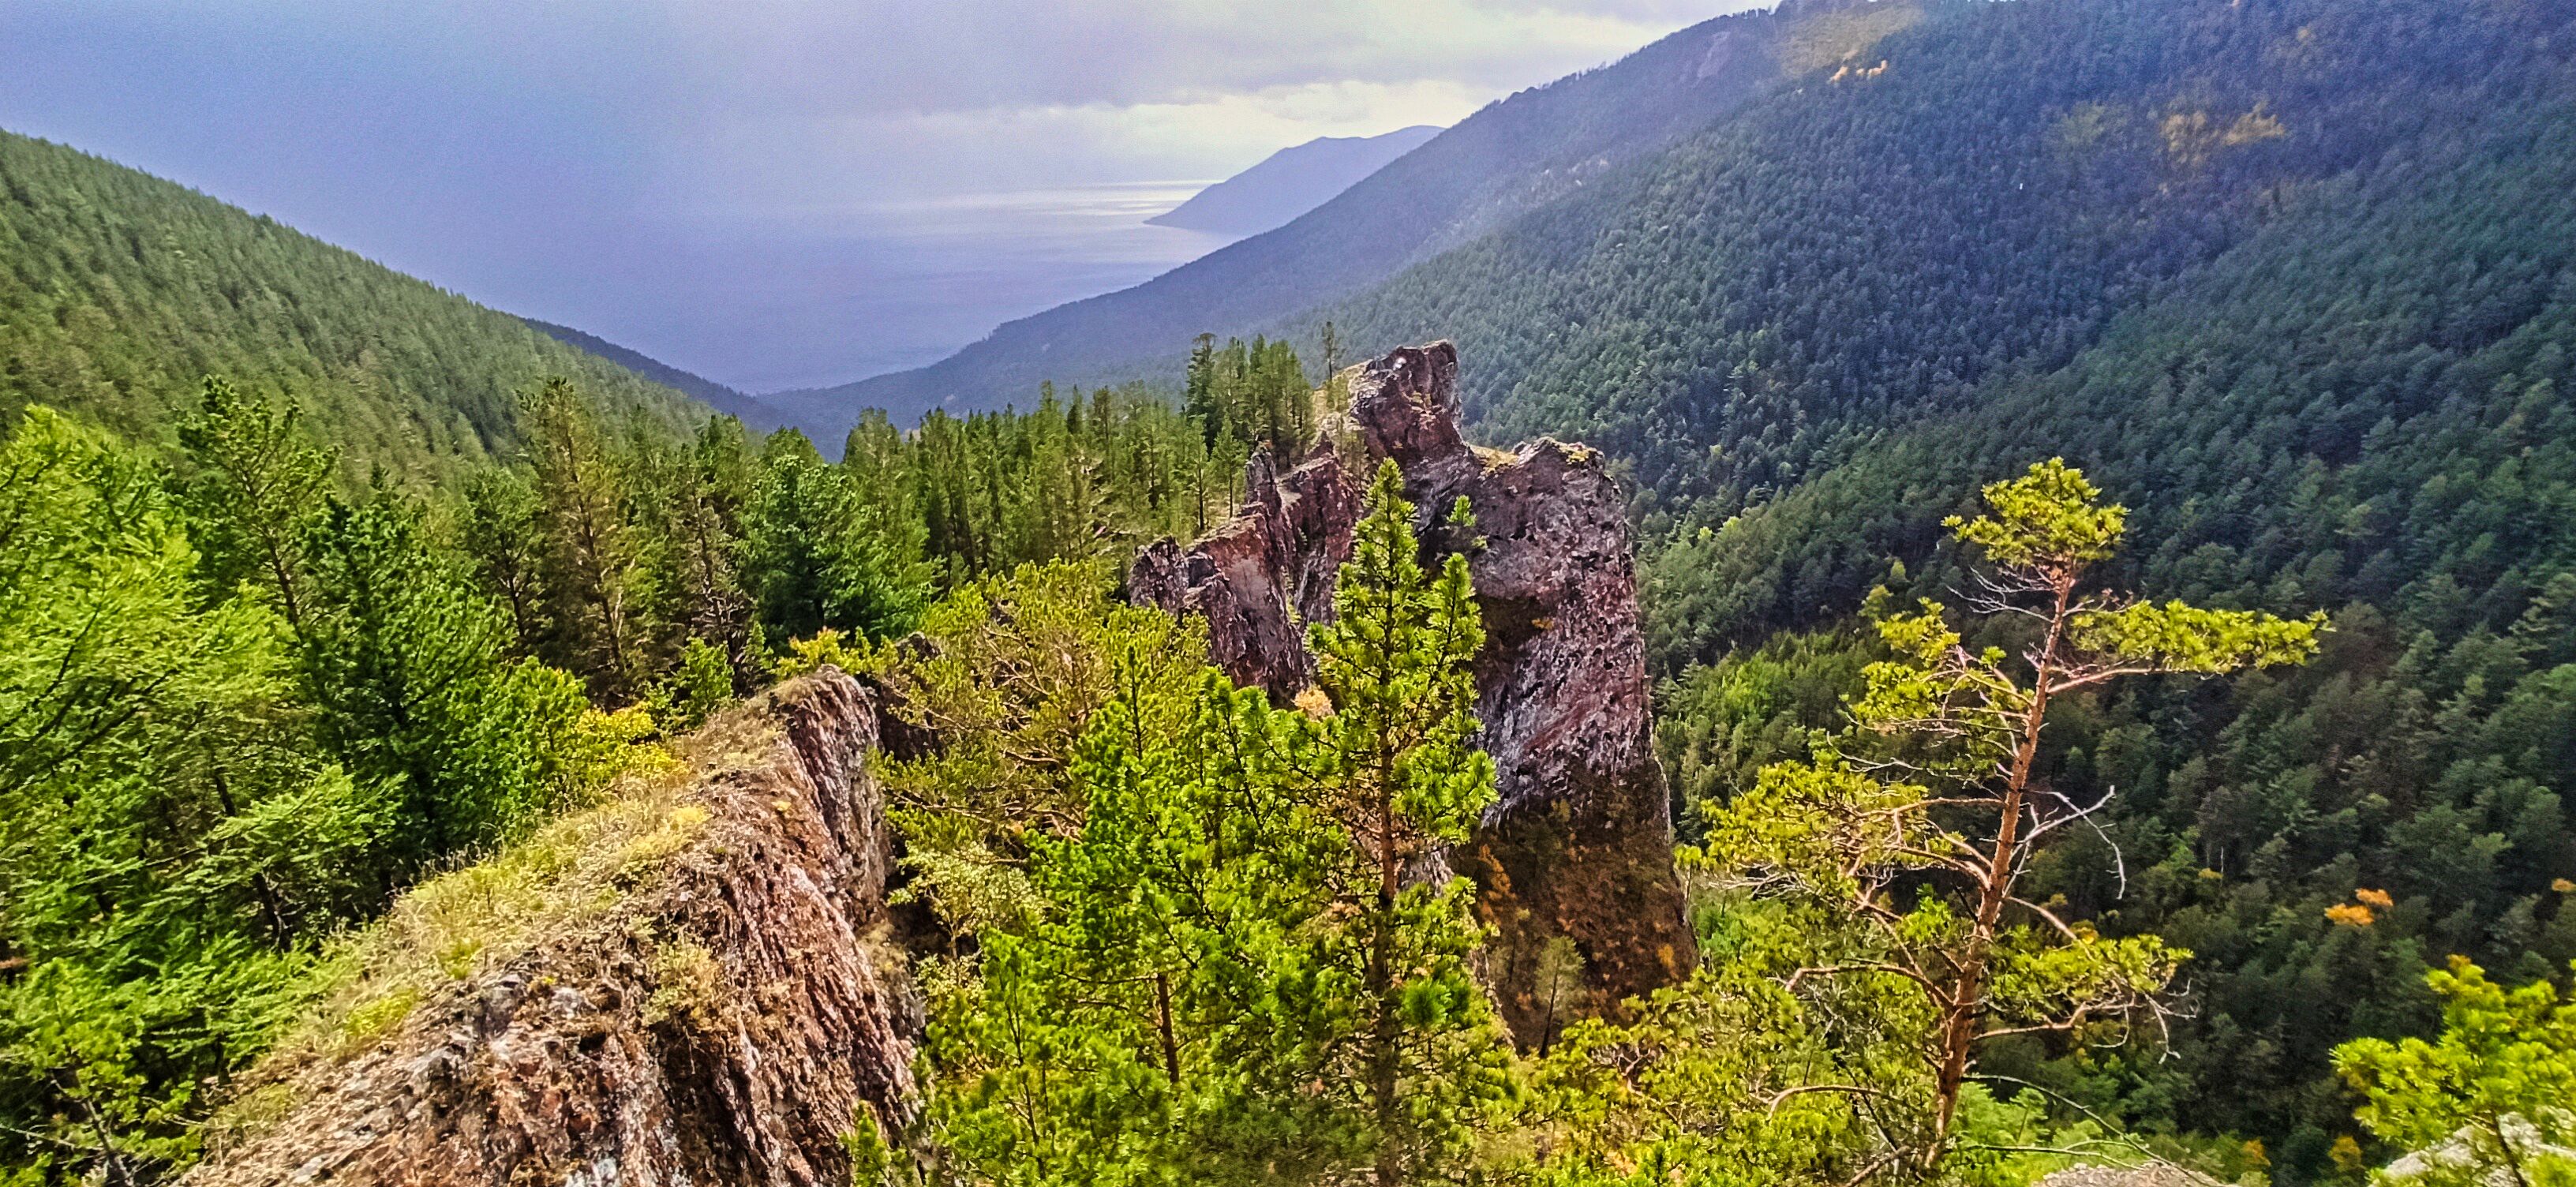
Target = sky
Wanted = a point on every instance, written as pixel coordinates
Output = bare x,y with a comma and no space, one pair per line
773,195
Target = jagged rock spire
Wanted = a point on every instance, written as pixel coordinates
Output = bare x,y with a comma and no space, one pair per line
1578,843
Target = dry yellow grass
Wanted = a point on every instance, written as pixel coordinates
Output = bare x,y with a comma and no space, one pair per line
571,871
570,874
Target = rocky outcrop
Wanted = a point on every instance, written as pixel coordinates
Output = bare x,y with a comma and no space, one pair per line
1578,843
1260,576
731,1021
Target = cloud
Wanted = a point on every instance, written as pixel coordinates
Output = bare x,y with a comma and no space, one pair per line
729,183
919,98
800,170
931,57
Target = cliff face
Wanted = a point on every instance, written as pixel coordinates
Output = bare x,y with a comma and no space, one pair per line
731,1022
1578,843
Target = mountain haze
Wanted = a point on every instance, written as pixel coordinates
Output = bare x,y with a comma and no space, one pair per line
1513,156
1290,182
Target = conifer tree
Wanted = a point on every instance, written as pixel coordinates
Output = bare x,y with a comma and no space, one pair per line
144,729
695,491
816,554
2492,1100
594,563
502,532
1934,797
408,663
1395,759
1200,399
1230,970
258,491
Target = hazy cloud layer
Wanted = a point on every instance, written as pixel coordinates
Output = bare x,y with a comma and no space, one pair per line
774,194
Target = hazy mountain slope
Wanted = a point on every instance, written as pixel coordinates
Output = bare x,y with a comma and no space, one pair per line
751,412
1512,156
1291,182
119,291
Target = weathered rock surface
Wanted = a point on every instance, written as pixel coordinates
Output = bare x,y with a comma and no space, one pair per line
1260,576
596,1057
1578,843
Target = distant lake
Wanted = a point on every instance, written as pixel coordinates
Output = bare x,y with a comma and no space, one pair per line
838,292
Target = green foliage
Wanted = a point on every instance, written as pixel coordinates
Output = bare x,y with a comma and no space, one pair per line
1930,798
2355,403
872,1161
1008,675
1217,971
1734,1076
1394,759
2175,637
246,697
594,563
1253,395
1719,724
1073,479
1172,991
700,685
1843,256
2358,410
198,788
257,494
498,522
2492,1100
818,555
140,905
2290,275
2045,519
405,663
689,503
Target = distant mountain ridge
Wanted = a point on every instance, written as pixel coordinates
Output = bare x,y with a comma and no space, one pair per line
733,402
1513,156
1291,182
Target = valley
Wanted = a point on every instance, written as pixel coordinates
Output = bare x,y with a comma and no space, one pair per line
1916,591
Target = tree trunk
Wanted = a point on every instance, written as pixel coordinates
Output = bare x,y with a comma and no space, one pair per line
1959,1014
1163,1024
1381,985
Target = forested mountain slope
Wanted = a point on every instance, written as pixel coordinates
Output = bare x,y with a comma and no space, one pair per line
2297,281
1869,245
2364,410
119,292
1511,157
